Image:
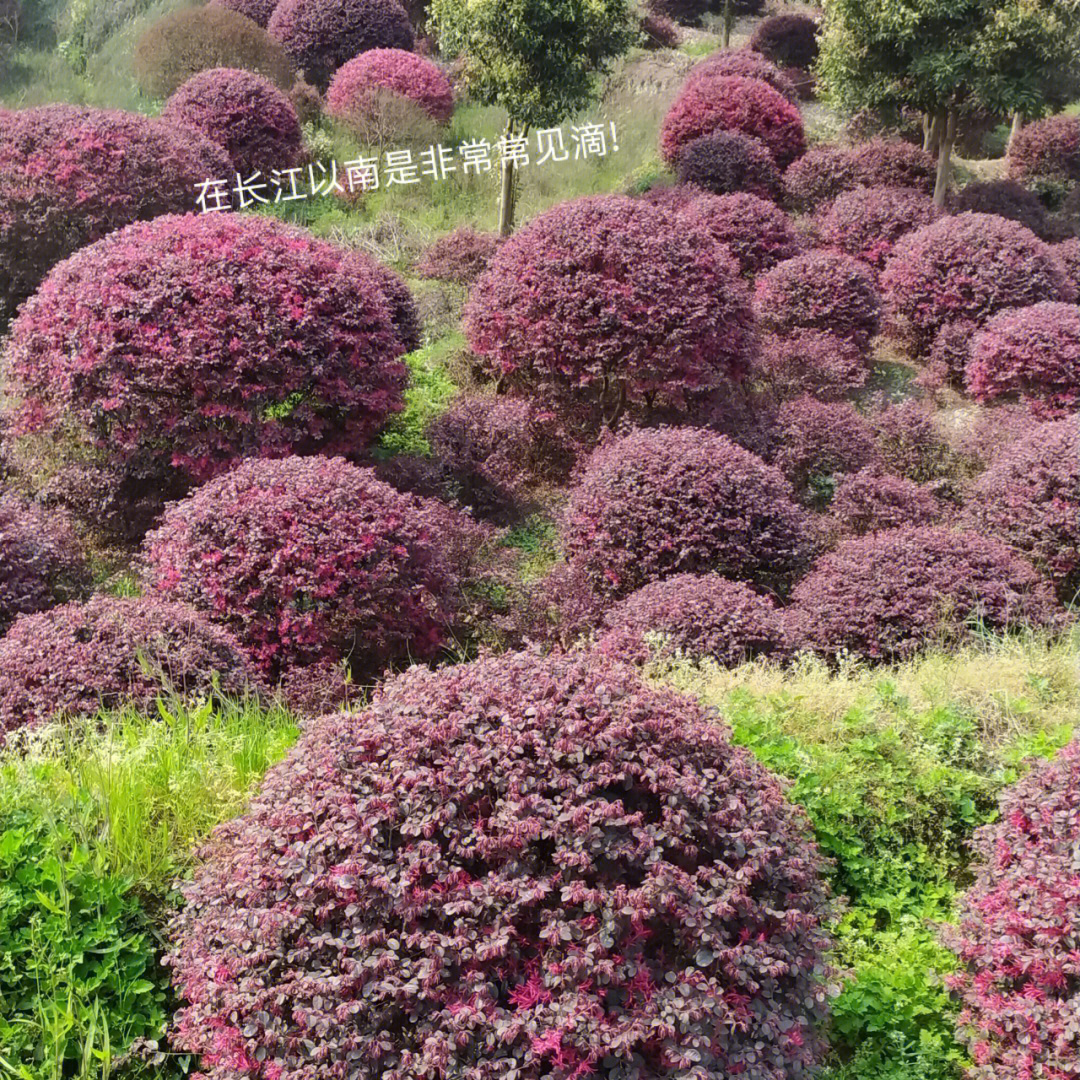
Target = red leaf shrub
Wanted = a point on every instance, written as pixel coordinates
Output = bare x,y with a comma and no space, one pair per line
821,174
870,500
79,658
1017,938
1068,251
1046,150
886,595
820,290
734,103
1031,352
686,12
665,501
696,615
659,32
607,299
321,35
41,560
750,65
894,163
908,440
950,352
234,335
1007,199
811,362
404,314
70,175
757,232
867,221
460,256
521,865
305,560
1030,498
966,267
258,11
728,161
245,114
353,87
787,40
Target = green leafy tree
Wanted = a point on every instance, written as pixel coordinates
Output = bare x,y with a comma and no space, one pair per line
540,60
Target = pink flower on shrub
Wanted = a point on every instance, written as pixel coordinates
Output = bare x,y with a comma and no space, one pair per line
397,70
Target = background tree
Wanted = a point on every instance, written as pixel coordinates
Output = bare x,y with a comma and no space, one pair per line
539,59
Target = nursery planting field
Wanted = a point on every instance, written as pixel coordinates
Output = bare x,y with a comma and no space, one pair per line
539,540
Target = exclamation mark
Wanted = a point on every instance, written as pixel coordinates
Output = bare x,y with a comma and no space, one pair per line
614,138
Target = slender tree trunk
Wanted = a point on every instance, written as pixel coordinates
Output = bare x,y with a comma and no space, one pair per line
1017,124
508,186
944,161
932,132
728,20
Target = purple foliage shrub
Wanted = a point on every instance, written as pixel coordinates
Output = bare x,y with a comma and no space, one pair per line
810,362
353,88
728,161
1007,199
258,11
870,500
460,256
893,163
756,231
745,62
950,353
685,12
1068,251
867,221
1046,150
909,442
788,40
818,177
659,32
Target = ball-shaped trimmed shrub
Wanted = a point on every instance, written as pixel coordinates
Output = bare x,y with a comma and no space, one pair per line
234,335
1007,199
1068,251
684,12
41,560
605,299
258,11
788,40
322,35
868,221
245,114
404,313
659,32
894,163
1017,933
460,256
951,351
734,103
79,658
693,615
1031,352
870,500
756,231
1046,150
1030,498
305,560
745,62
308,103
728,161
813,362
820,290
529,845
666,501
352,89
185,42
70,175
909,441
819,176
886,595
968,266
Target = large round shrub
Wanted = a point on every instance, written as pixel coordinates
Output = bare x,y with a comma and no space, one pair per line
163,354
909,440
745,62
886,595
733,103
789,40
305,559
966,267
1047,151
659,32
460,256
519,866
756,231
821,174
258,11
893,163
245,114
78,658
693,615
321,35
870,500
352,91
1030,352
811,362
608,299
69,175
1030,498
660,502
868,221
1018,935
820,290
185,42
728,161
1068,251
1007,199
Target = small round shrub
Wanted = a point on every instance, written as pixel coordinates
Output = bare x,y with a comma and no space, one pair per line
787,40
820,290
728,161
745,62
1030,498
870,500
813,362
968,266
79,658
322,35
41,561
234,335
305,560
1068,252
819,176
665,501
734,103
530,846
696,616
684,12
352,90
245,114
886,595
404,313
1031,352
951,351
70,175
909,442
258,11
894,163
757,232
867,221
606,300
185,42
659,32
460,256
307,101
1017,934
1006,198
1047,150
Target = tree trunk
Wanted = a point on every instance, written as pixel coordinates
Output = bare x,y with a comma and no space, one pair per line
508,187
728,20
944,161
932,132
1017,124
